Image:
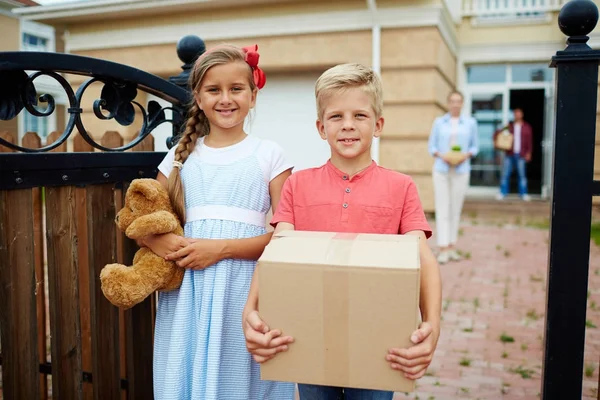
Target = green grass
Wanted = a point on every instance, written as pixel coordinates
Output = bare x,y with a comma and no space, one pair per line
504,338
589,370
590,324
532,314
595,233
465,362
544,224
524,372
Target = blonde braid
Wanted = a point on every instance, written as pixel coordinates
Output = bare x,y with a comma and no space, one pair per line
196,127
197,124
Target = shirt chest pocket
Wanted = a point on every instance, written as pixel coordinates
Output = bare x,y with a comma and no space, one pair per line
384,220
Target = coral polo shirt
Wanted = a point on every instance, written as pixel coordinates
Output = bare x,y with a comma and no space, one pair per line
375,200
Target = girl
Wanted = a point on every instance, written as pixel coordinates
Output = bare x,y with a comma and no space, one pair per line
450,183
222,183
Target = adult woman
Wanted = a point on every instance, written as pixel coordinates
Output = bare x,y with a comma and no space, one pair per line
451,176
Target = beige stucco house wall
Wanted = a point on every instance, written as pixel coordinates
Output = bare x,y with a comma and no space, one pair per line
423,49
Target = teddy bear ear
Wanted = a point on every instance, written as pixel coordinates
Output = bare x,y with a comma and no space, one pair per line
147,187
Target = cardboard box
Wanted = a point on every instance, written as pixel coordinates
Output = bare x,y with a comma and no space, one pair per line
346,299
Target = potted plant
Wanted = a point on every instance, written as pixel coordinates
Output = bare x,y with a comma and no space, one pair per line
455,155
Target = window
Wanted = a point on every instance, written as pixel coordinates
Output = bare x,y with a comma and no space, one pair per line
486,73
531,73
34,43
35,124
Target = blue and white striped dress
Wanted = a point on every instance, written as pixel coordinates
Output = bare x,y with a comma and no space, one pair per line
199,345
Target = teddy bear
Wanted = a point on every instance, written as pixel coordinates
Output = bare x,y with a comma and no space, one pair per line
147,211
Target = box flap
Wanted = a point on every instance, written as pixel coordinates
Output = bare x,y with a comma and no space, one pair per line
344,249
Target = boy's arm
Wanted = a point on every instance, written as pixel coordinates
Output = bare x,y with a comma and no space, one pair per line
431,285
414,361
252,303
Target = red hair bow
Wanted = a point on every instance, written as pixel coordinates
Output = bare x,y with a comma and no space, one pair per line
252,57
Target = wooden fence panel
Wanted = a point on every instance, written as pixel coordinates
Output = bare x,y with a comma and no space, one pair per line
80,145
64,293
18,317
145,145
9,137
105,317
52,137
33,141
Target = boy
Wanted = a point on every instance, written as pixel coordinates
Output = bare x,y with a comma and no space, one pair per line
351,193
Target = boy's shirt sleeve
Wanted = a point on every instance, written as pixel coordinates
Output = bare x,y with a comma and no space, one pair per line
413,216
285,209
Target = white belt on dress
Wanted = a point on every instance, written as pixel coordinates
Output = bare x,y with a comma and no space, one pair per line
226,213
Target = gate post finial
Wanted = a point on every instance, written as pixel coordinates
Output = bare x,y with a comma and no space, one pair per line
577,19
189,48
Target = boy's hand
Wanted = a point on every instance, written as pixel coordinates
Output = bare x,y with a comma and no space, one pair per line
262,342
413,362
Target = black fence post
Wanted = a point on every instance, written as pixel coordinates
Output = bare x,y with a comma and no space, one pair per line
189,48
571,205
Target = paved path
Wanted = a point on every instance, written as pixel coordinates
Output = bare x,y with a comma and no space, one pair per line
493,318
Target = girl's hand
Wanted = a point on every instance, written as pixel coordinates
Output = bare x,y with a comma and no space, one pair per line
199,254
414,361
262,342
165,244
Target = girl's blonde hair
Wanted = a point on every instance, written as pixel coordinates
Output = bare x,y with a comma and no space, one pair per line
197,125
347,76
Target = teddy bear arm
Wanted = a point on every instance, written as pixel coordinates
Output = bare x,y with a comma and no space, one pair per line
157,223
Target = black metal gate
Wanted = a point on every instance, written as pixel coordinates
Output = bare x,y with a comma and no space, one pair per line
79,193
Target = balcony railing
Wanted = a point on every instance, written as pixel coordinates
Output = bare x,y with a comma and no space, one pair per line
510,8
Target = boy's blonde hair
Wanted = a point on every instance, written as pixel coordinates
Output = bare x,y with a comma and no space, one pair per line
348,76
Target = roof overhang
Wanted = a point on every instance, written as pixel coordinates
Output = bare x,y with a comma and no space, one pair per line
102,9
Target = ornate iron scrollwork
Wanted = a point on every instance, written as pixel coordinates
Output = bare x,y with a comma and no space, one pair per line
117,98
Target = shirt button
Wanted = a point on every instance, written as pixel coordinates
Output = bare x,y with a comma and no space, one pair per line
345,205
347,190
345,177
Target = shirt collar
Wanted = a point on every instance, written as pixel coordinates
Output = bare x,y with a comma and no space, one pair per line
447,118
346,177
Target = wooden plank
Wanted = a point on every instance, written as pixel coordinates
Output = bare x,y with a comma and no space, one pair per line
80,145
104,316
84,289
20,369
139,335
64,293
32,140
52,137
111,139
145,145
10,138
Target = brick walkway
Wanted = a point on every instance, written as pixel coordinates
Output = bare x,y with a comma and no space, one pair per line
493,318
